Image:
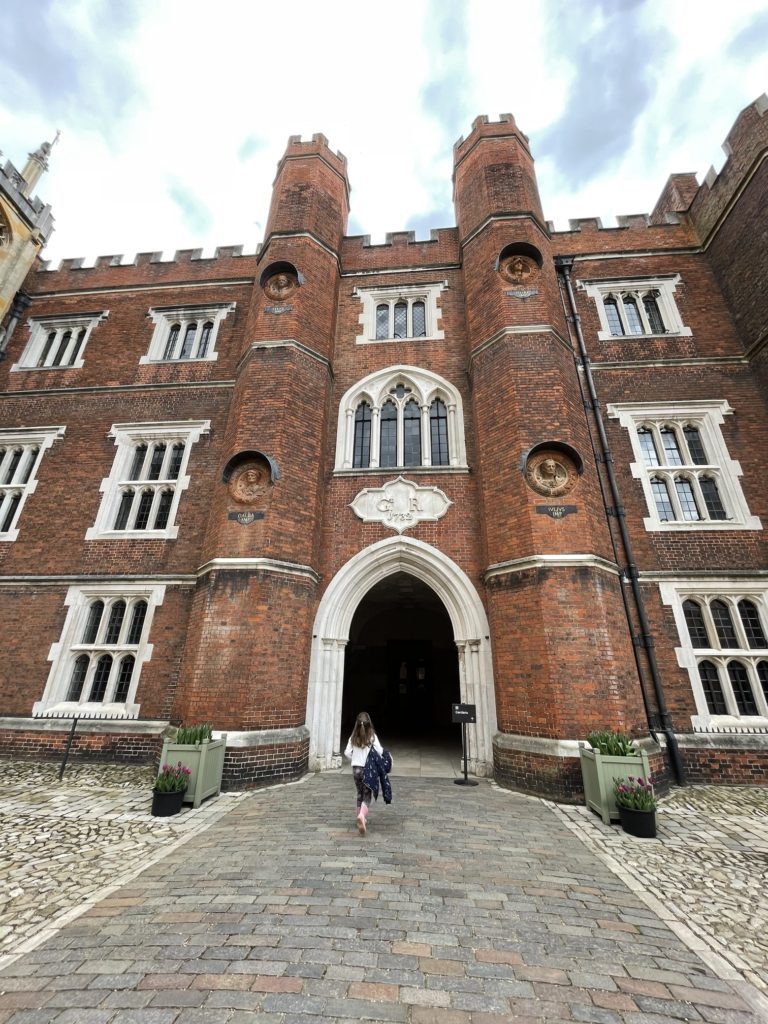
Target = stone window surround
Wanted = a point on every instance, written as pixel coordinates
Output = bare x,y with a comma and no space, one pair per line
674,594
41,328
708,415
78,601
127,437
636,288
372,297
164,317
40,437
425,388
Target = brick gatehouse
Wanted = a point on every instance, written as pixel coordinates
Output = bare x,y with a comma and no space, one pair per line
508,466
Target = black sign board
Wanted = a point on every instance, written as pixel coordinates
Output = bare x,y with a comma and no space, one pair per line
245,518
465,713
556,511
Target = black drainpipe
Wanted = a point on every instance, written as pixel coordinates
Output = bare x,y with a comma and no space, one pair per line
19,304
645,640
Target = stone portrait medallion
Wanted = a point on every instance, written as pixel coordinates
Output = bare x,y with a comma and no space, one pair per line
518,269
281,285
550,473
249,483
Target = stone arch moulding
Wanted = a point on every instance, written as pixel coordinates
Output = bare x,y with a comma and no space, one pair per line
331,634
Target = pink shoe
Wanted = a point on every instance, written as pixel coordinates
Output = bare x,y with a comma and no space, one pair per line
362,817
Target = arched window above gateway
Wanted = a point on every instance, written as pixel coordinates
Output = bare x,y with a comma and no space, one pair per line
401,417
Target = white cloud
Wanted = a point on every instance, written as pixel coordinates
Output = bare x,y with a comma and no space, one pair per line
157,113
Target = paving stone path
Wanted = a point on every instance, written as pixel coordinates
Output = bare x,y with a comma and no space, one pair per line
62,842
462,906
708,868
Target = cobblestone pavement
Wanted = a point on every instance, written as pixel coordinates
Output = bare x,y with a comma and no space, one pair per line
708,868
463,906
63,842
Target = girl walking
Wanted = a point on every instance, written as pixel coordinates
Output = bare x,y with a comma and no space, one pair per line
360,742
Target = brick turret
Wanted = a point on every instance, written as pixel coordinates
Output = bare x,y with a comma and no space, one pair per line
264,572
552,582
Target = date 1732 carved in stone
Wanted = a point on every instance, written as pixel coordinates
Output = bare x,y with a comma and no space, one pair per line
400,503
550,473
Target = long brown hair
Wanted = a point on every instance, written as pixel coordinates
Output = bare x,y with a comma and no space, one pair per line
362,734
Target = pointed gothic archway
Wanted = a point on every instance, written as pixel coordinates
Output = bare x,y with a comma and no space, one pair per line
331,634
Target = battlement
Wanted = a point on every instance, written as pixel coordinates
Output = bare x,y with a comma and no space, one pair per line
399,239
221,254
317,145
745,146
482,121
682,193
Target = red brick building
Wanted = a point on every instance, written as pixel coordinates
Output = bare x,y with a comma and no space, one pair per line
508,466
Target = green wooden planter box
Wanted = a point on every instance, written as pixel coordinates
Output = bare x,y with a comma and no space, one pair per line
598,772
206,763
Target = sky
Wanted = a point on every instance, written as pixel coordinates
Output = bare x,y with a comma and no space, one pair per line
174,113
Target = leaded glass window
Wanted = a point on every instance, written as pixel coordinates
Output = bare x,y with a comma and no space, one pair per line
382,321
173,339
742,691
137,622
438,425
614,320
648,447
158,466
361,456
653,314
686,499
401,320
93,621
115,623
721,617
712,498
633,317
762,675
694,619
695,446
419,317
750,619
100,679
77,679
388,443
672,455
411,435
124,678
664,508
189,340
713,690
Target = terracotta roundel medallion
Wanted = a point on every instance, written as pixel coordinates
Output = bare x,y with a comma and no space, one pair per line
281,285
550,473
249,482
518,269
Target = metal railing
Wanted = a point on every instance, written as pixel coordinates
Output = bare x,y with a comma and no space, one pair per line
103,717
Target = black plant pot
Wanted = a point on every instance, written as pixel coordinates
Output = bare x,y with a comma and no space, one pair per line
638,823
166,804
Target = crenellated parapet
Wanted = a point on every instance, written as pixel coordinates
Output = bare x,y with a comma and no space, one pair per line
113,270
483,127
317,146
494,176
401,249
746,148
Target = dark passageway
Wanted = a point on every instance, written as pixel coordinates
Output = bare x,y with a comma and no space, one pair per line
402,664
